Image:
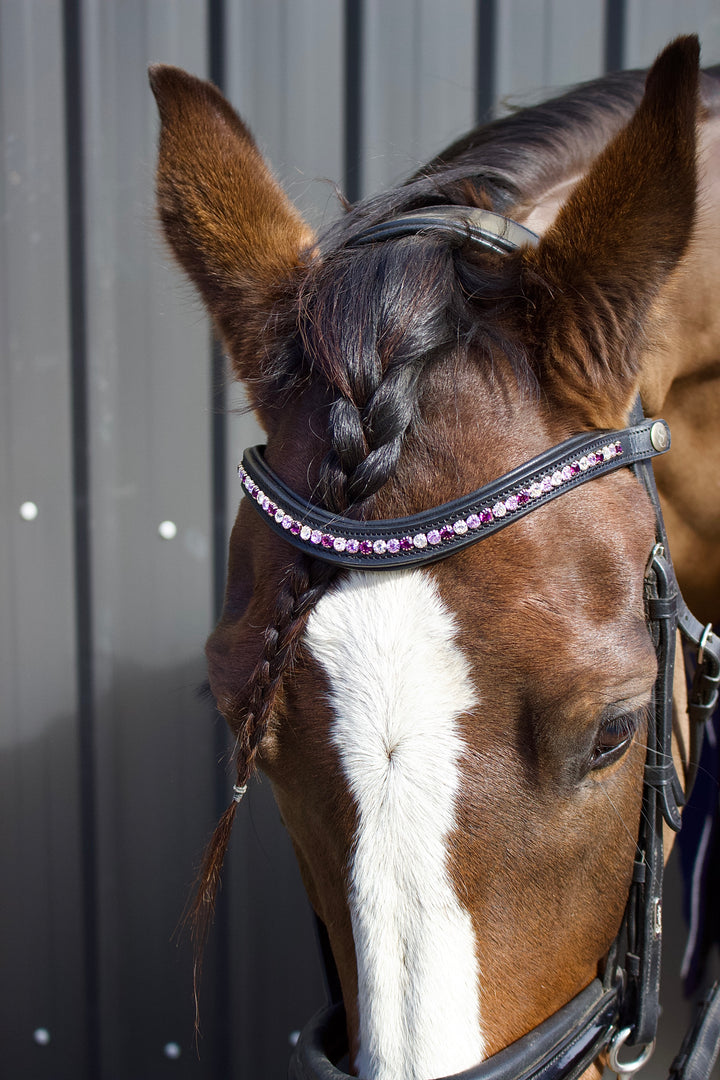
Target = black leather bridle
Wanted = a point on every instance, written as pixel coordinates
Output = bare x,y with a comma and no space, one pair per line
622,1007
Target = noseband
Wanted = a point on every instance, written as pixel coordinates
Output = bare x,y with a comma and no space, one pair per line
623,1006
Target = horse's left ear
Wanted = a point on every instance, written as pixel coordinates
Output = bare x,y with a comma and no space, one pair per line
593,279
231,226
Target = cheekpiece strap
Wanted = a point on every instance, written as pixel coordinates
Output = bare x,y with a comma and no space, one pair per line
390,544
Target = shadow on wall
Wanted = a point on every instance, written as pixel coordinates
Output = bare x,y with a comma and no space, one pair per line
96,980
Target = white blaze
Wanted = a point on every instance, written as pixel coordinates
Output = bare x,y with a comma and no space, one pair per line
398,684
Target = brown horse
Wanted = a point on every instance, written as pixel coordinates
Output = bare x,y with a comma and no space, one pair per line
457,747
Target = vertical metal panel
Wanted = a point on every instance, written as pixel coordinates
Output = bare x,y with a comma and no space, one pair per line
149,367
419,84
651,24
547,45
41,898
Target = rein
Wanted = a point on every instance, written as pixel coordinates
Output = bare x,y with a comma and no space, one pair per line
623,1007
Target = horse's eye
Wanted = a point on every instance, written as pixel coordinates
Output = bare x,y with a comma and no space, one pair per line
615,735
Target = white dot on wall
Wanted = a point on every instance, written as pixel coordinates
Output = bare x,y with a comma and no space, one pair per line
172,1050
28,511
41,1036
168,531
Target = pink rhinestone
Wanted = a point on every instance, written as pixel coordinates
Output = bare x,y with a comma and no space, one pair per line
420,540
546,484
575,469
339,543
473,522
618,448
327,540
352,546
279,515
306,533
460,528
316,536
406,543
433,537
271,509
511,504
567,473
393,546
523,498
365,547
295,528
498,511
379,547
286,522
593,459
487,515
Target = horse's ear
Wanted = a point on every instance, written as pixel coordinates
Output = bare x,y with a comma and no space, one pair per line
593,279
231,226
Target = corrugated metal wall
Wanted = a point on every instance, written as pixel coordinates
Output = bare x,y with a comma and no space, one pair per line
114,421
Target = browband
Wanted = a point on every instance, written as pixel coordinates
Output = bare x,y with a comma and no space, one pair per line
434,534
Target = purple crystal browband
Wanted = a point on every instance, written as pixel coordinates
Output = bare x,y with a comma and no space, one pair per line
434,534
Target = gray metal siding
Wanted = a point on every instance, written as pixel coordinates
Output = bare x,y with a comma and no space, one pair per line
111,424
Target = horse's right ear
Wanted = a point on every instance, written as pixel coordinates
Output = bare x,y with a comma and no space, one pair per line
229,223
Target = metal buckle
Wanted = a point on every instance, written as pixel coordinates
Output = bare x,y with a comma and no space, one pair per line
627,1068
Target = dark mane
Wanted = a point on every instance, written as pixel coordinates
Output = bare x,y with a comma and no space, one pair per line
372,319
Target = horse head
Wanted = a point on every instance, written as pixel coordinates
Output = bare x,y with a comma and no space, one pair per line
456,747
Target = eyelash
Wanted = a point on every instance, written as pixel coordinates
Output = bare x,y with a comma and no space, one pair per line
623,728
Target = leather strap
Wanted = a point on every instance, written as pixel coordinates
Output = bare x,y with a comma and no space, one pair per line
481,227
529,485
701,1046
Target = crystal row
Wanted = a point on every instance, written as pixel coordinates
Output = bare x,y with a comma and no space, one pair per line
443,533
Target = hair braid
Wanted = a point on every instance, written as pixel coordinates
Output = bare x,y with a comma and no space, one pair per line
305,582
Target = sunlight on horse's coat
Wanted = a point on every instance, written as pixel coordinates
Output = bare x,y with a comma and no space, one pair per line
400,748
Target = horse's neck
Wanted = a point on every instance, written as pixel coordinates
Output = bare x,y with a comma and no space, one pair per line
681,379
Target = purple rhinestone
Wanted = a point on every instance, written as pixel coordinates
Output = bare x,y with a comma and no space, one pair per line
366,547
264,502
327,540
618,448
420,540
306,533
316,536
523,498
339,543
242,474
271,509
352,546
460,528
295,528
393,546
511,504
406,543
287,522
567,473
593,459
487,515
473,522
575,469
433,537
379,547
446,533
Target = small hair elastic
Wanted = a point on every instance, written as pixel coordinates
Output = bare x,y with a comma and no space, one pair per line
238,792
